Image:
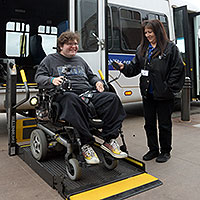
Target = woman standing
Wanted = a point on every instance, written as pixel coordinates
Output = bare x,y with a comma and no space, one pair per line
162,74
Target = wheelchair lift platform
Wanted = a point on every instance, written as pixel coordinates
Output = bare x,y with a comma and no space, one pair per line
97,183
127,179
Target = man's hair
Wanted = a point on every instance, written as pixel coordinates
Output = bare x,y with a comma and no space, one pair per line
160,33
65,37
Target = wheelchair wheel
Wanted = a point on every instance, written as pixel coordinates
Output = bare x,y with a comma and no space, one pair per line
38,143
74,171
109,162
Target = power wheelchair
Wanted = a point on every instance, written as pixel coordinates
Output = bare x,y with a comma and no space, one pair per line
54,135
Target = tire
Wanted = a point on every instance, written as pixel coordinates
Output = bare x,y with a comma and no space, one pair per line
109,162
74,172
38,143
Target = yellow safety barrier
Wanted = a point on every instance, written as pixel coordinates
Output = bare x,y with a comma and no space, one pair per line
23,75
101,74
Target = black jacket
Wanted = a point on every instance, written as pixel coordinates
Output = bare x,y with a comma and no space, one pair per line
165,72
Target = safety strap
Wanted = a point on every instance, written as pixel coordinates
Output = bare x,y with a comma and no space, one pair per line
86,98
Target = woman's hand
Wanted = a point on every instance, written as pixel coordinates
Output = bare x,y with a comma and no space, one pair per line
58,80
121,66
99,86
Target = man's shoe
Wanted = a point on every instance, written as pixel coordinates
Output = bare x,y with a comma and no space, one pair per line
89,154
150,155
113,148
163,157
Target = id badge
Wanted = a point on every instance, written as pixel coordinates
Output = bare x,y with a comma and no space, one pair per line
145,72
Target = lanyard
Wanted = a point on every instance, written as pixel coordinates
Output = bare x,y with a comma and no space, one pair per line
148,55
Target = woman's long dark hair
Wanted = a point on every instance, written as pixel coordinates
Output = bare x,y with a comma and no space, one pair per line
161,36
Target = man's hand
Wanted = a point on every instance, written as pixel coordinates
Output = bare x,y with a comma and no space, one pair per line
99,86
58,80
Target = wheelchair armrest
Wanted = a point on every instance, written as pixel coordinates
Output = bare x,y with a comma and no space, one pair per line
49,92
48,87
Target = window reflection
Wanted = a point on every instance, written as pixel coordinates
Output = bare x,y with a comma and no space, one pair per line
86,24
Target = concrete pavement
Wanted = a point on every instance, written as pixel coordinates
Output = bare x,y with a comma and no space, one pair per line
180,175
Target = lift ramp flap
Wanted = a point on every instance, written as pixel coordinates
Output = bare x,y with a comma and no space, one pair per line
117,190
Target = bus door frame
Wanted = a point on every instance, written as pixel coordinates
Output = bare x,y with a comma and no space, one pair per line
101,55
197,50
185,28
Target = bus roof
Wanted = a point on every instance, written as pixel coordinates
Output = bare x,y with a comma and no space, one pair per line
192,5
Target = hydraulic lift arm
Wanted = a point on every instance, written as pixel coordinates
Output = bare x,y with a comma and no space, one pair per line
11,104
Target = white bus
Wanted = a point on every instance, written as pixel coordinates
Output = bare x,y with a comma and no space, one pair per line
117,25
109,29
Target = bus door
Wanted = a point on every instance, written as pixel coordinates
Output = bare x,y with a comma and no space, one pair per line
187,26
88,18
197,51
182,34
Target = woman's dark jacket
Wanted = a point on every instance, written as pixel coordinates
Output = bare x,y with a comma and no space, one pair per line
166,72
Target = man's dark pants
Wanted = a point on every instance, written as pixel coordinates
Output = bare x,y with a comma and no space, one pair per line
108,108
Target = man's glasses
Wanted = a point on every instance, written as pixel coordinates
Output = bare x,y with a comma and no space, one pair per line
72,44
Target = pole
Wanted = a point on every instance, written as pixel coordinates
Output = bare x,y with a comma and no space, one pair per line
185,100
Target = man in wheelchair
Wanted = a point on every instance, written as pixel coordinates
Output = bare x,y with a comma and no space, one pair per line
66,65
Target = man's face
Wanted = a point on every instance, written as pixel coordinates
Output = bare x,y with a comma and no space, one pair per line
69,49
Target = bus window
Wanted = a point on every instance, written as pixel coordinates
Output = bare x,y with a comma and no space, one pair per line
162,18
110,28
86,24
130,22
179,32
14,36
49,38
152,16
114,39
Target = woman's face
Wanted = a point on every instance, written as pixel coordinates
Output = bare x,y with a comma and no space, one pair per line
150,35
